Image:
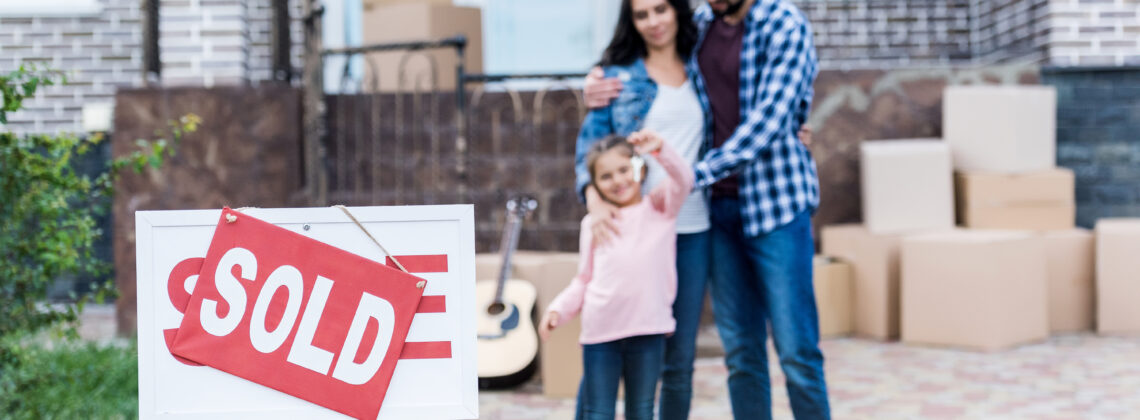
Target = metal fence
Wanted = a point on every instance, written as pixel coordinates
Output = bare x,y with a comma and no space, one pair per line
395,144
431,139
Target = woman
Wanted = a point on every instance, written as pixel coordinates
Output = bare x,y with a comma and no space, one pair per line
651,44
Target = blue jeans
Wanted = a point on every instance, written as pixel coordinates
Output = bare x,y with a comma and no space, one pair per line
637,361
759,282
681,348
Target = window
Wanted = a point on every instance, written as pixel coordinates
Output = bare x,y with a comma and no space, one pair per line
49,8
545,36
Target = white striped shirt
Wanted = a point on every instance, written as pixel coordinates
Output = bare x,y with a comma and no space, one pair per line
676,115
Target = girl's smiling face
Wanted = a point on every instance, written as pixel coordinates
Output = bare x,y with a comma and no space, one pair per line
615,178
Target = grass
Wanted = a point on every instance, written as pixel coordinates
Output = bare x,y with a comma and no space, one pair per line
70,379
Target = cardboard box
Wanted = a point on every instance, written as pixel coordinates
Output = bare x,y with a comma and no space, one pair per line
907,185
1070,263
875,282
389,22
1118,276
1000,128
560,357
832,281
1036,200
487,267
974,289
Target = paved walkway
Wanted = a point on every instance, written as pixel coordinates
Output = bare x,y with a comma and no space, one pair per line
1080,376
1068,377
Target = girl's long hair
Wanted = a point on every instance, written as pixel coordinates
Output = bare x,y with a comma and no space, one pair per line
627,45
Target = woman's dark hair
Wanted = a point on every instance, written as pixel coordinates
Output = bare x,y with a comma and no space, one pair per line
627,45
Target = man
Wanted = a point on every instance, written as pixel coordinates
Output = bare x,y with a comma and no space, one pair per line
756,63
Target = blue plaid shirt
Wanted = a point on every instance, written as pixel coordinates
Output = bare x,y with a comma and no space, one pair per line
777,67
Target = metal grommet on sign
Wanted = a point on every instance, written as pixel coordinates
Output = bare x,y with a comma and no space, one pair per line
306,227
421,284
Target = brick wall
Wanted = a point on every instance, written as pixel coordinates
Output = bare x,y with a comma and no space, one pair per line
1010,30
221,42
1094,32
884,34
259,63
878,33
1098,118
203,42
100,53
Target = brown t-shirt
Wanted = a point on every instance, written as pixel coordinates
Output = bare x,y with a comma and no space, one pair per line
719,60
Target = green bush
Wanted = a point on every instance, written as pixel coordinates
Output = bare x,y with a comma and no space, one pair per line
48,210
48,231
71,380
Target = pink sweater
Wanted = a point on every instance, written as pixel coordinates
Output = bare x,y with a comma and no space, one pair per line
626,287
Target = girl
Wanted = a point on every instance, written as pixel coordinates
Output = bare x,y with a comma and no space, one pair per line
625,288
652,40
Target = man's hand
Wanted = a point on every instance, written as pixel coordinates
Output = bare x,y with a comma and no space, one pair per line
646,141
549,322
599,92
805,134
602,217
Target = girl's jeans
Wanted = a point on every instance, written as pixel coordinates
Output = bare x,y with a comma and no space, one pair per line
635,360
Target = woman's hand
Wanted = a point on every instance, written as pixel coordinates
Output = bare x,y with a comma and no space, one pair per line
603,217
598,90
549,322
646,141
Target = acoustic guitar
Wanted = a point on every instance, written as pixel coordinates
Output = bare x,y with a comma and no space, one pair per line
507,342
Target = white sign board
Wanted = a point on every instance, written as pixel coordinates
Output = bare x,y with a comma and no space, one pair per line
429,388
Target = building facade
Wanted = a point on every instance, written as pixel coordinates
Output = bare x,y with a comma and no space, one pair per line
226,42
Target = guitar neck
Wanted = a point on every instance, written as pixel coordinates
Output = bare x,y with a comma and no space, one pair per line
510,243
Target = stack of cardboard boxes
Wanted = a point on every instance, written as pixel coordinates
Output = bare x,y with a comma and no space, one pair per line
907,189
1016,269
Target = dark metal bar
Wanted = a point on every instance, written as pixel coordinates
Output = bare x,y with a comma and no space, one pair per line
485,78
152,64
313,127
453,42
461,116
1087,69
282,44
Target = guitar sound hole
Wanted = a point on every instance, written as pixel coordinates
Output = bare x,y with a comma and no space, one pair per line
496,308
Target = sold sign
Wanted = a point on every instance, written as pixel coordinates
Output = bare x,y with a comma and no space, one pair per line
297,315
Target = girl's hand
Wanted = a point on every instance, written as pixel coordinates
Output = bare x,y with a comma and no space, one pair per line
646,141
549,322
805,134
603,217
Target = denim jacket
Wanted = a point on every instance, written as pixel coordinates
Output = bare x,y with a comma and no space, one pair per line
623,116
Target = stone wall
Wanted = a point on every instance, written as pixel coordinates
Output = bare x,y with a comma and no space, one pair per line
246,153
1098,136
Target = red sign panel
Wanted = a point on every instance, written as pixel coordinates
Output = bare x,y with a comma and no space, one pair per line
297,315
